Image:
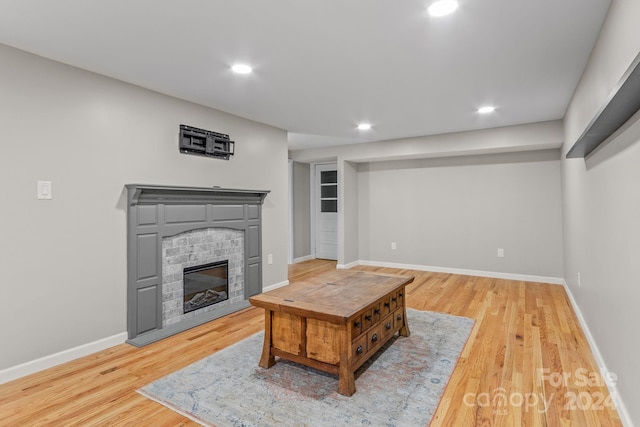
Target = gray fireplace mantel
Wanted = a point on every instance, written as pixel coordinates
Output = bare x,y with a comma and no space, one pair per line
155,212
154,194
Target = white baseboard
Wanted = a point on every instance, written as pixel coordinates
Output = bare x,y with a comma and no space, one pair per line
613,390
64,356
464,272
302,259
46,362
275,286
349,265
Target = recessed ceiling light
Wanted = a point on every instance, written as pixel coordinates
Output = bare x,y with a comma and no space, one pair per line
486,109
442,7
241,68
364,126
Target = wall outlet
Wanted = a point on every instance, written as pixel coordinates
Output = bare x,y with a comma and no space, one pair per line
270,259
393,246
500,253
579,284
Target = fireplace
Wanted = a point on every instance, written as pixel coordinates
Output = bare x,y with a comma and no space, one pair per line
186,257
173,229
205,285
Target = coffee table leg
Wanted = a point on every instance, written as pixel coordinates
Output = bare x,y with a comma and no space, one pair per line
404,330
267,360
346,380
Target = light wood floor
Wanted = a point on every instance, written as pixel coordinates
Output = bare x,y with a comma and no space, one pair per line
520,328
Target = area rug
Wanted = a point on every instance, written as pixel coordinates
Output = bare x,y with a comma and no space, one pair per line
399,386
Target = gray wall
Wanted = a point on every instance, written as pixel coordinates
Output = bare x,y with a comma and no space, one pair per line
348,221
64,260
395,179
602,210
301,210
455,212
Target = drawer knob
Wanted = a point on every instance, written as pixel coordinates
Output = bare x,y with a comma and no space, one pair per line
374,337
394,299
359,350
386,304
357,324
400,295
376,311
368,317
399,317
387,325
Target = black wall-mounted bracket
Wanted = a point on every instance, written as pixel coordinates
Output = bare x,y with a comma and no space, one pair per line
206,143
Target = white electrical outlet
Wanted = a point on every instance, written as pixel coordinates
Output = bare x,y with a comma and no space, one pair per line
393,246
270,259
500,253
579,284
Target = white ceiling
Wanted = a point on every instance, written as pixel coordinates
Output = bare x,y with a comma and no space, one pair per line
323,66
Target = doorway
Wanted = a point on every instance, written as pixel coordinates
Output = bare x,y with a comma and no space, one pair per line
326,211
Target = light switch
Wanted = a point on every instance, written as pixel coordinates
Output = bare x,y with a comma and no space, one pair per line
44,190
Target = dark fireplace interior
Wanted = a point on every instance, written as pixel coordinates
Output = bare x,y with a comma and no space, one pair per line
205,285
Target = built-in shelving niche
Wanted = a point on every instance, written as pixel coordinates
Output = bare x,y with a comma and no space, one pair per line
620,106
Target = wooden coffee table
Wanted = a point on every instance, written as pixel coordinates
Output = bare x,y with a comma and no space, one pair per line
333,322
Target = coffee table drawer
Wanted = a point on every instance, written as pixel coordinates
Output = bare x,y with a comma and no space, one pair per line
359,348
394,301
377,313
398,319
374,336
385,305
367,319
356,326
387,327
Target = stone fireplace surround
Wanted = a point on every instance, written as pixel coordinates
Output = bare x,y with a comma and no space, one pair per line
194,248
169,228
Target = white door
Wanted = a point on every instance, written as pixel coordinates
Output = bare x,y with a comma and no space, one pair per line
326,211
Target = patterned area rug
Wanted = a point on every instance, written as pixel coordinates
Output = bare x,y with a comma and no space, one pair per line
399,386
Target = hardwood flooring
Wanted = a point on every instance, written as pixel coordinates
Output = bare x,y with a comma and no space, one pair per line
527,362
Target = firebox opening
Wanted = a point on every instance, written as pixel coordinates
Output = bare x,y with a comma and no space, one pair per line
205,285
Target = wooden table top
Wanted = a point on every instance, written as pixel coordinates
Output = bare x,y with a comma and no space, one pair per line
333,296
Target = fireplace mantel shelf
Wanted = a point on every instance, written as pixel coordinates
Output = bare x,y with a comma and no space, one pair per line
142,194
